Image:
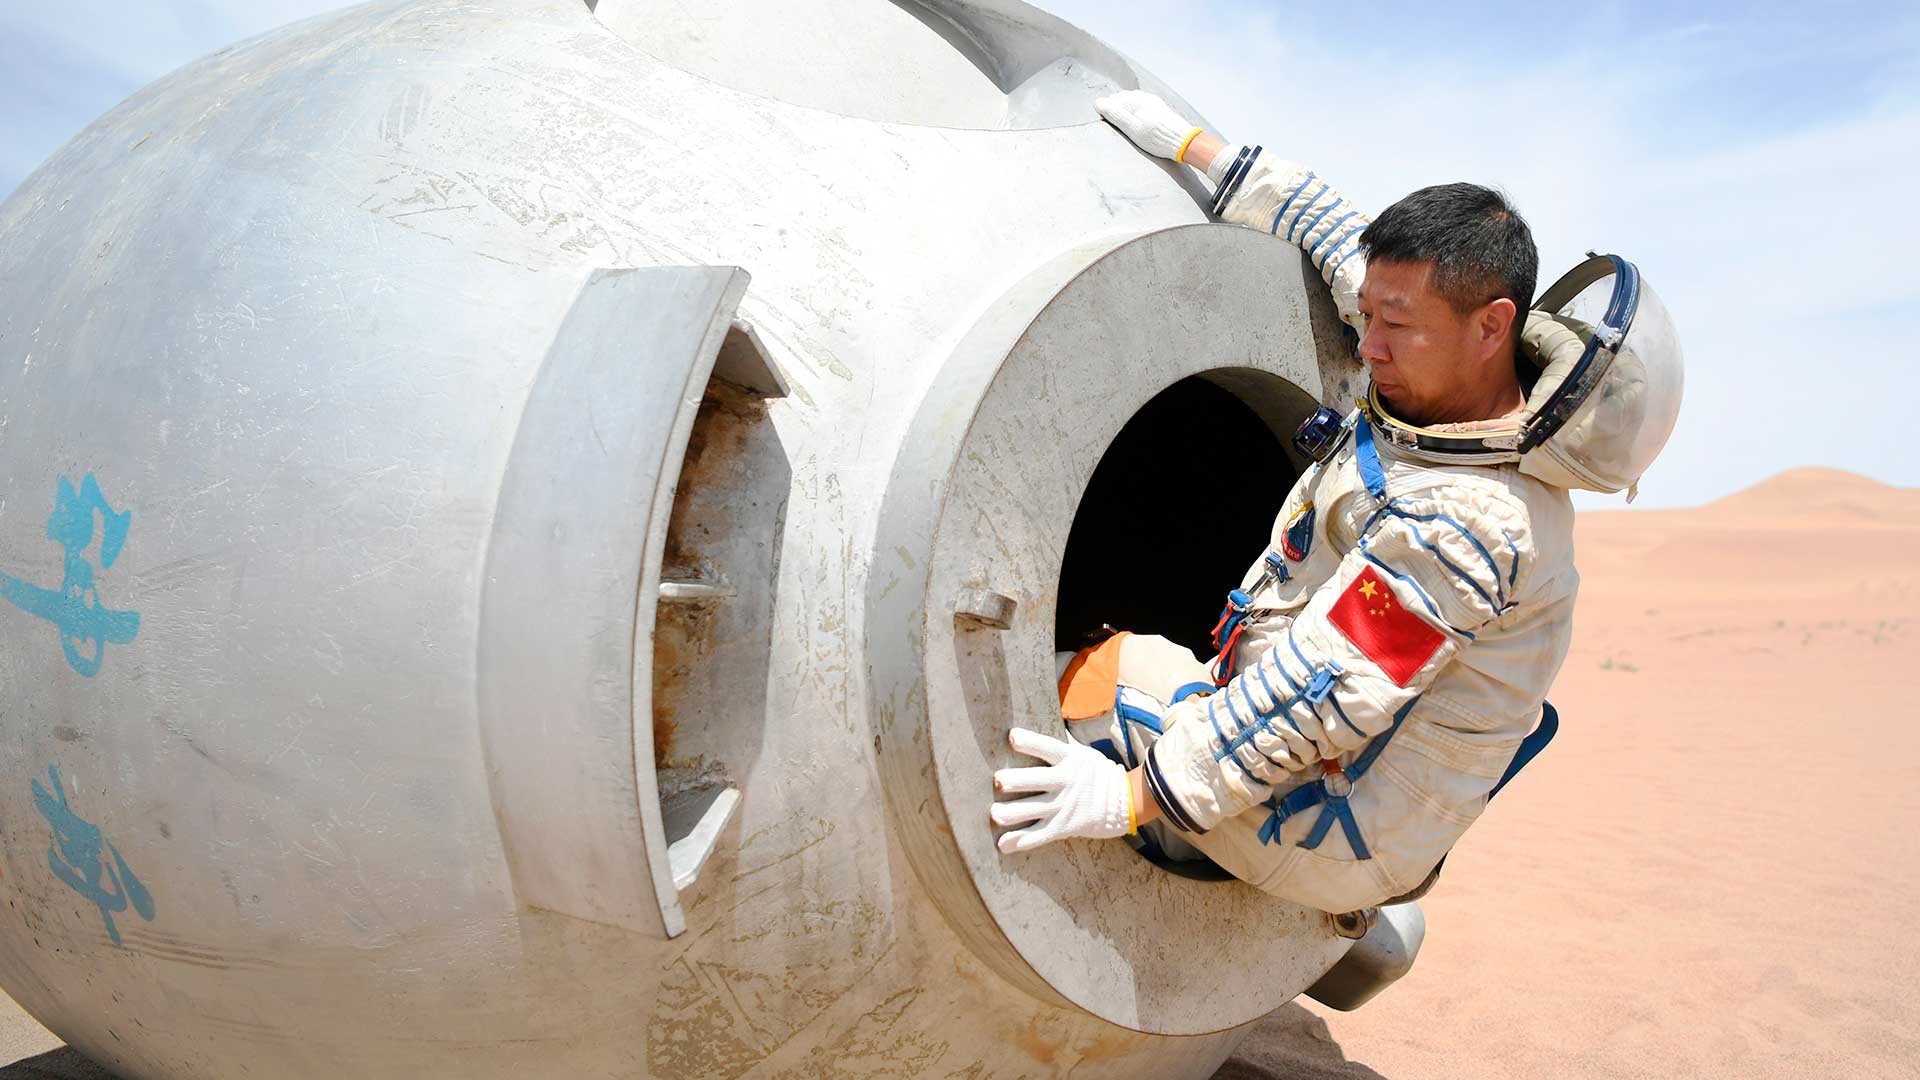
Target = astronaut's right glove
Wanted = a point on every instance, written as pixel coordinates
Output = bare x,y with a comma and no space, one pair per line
1150,122
1080,793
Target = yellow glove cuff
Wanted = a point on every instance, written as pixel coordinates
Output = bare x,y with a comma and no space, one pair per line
1133,819
1184,143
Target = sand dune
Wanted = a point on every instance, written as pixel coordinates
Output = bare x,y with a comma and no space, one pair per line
1825,494
1713,872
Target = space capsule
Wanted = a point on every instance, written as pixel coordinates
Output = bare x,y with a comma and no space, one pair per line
524,527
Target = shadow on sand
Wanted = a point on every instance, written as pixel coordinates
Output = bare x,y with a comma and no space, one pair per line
62,1064
1289,1044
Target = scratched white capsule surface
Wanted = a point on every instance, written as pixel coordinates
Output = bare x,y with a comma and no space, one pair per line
523,529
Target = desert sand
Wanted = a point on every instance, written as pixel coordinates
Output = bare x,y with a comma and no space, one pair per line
1711,873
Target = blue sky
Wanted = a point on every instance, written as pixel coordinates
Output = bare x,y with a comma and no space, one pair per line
1757,162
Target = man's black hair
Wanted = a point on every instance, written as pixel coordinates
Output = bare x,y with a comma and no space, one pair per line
1479,245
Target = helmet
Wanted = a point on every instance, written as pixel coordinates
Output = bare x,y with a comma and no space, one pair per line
1606,398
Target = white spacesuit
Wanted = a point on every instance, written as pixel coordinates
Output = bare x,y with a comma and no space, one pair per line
1381,664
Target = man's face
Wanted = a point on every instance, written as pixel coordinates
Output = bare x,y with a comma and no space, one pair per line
1425,356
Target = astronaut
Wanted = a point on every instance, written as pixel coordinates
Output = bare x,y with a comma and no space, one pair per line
1383,666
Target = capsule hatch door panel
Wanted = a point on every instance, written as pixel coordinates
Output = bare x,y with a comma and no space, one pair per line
573,573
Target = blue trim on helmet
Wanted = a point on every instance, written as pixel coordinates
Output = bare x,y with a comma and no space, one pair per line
1553,414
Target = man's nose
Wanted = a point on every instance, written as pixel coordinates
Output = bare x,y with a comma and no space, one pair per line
1372,348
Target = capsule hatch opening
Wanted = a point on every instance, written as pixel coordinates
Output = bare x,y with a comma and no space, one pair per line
713,624
1181,503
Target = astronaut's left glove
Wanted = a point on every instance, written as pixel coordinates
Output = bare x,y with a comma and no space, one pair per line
1080,793
1149,121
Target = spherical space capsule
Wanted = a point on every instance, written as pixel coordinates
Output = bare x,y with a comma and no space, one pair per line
524,528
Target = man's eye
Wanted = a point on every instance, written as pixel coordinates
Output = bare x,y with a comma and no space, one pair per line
1392,325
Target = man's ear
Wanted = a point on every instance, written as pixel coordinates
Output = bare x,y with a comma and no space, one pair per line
1496,320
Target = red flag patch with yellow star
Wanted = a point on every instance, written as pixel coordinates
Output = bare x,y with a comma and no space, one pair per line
1390,635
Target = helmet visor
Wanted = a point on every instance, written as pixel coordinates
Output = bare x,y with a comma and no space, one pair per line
1611,416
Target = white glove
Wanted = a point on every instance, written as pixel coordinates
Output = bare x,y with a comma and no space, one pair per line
1150,122
1082,794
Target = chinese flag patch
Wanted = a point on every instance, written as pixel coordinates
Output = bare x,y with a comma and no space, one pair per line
1390,635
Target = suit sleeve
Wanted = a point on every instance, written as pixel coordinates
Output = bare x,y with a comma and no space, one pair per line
1426,575
1291,201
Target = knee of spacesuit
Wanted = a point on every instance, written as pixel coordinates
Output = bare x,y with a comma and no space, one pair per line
1114,696
1147,662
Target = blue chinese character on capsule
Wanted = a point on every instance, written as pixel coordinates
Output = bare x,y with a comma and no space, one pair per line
86,626
78,856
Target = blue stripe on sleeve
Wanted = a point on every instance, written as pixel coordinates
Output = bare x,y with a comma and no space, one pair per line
1485,555
1331,207
1342,713
1342,262
1457,572
1321,248
1297,218
1247,734
1298,688
1316,711
1272,694
1283,206
1213,701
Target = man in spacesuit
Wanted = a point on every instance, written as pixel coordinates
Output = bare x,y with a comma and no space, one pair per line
1382,664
